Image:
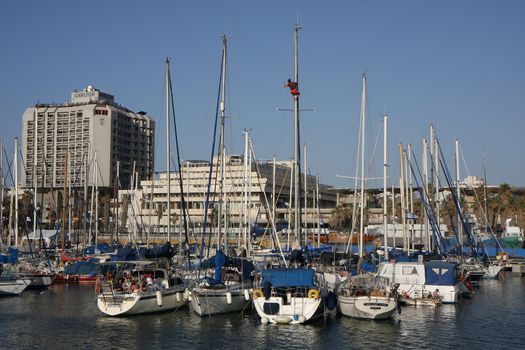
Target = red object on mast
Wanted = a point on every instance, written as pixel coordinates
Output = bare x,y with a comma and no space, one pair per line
294,88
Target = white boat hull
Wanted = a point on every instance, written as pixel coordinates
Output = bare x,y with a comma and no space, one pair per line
123,304
207,302
298,310
448,294
411,278
493,271
41,281
13,286
375,308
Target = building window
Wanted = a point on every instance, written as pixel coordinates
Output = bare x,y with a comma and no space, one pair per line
101,111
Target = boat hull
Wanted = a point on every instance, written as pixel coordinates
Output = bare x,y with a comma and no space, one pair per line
13,286
61,278
211,302
493,271
297,311
41,281
124,304
373,308
421,301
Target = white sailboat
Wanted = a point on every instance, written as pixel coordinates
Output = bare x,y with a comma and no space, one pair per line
145,288
367,296
287,295
227,290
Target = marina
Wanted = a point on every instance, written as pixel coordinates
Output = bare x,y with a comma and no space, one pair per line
124,229
63,317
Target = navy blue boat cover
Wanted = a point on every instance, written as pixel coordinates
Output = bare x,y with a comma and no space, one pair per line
82,268
221,260
288,277
440,273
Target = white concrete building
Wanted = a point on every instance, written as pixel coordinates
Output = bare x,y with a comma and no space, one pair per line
91,126
147,206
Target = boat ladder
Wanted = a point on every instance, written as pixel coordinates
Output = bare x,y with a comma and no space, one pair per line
106,290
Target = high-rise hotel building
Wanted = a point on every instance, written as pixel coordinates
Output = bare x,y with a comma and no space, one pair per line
101,137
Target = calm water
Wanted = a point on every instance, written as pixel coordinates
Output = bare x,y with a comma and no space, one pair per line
66,317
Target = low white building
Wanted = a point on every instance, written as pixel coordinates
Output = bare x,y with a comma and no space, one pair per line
147,208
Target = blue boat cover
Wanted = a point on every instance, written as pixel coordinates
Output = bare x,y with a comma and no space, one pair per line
11,257
221,260
288,277
82,268
125,253
440,273
368,266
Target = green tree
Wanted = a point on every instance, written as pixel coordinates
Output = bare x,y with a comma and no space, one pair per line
341,217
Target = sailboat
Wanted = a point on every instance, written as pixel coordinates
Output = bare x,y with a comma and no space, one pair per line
146,287
366,296
227,290
291,295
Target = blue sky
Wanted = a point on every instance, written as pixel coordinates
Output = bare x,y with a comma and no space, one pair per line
459,65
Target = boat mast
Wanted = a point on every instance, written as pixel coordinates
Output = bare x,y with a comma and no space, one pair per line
245,204
1,191
410,202
297,154
318,209
222,147
116,187
425,175
168,167
85,196
436,181
458,193
69,199
273,190
305,197
402,192
385,170
35,170
92,204
485,194
64,205
96,199
394,220
362,199
431,182
16,191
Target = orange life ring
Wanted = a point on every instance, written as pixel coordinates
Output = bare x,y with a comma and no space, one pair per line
313,294
257,293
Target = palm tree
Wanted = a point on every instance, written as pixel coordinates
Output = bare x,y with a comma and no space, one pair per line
341,217
124,213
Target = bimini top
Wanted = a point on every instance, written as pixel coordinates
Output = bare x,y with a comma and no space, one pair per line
288,277
440,273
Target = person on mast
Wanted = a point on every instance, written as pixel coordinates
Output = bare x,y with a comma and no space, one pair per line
294,88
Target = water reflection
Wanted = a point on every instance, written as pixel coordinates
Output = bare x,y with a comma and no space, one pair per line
67,317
